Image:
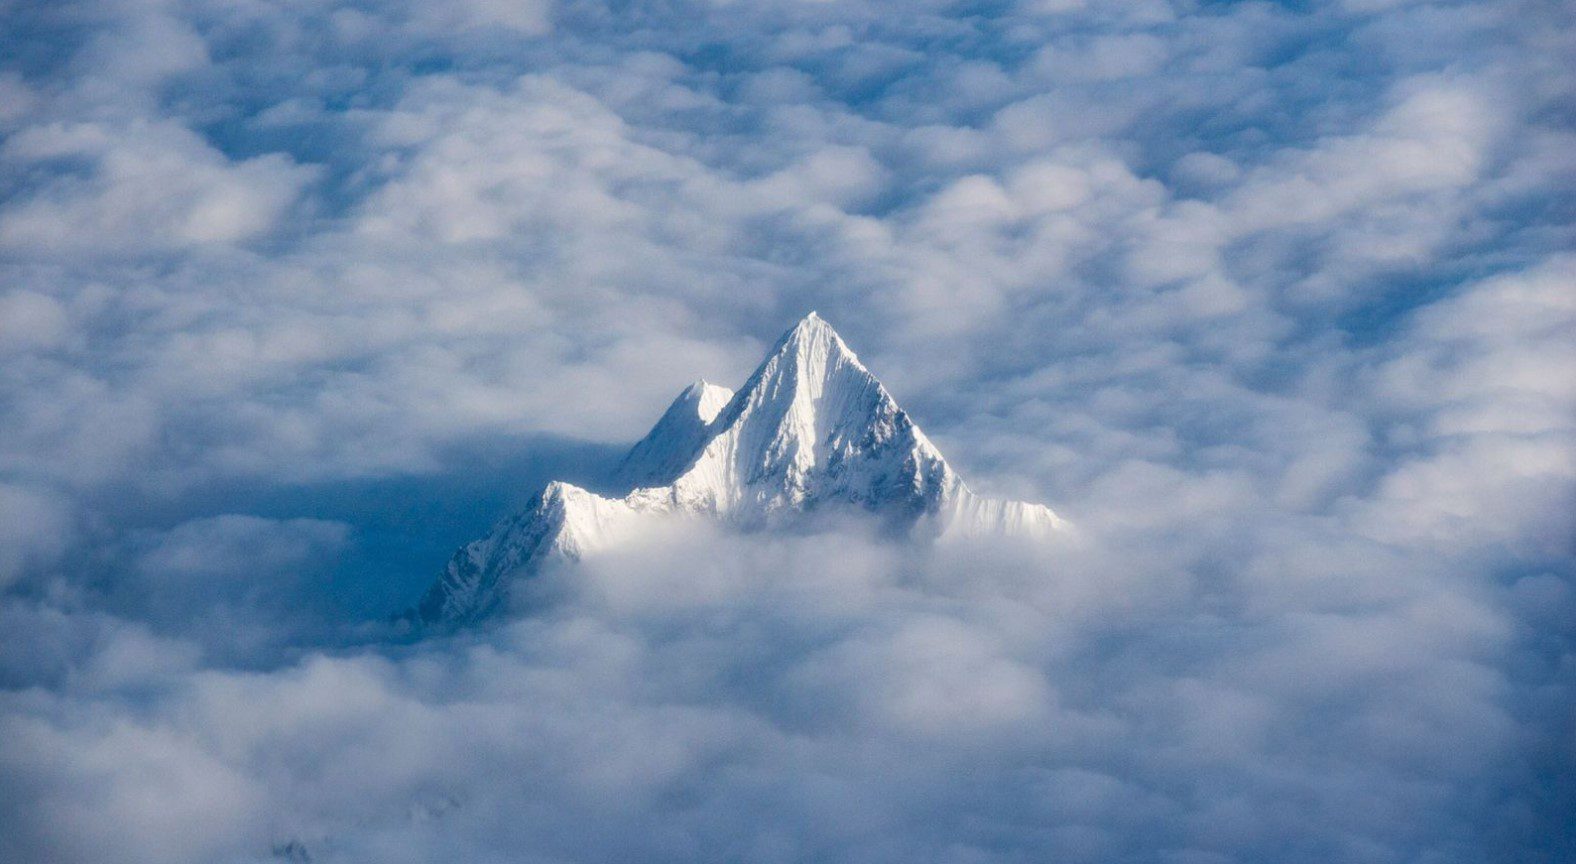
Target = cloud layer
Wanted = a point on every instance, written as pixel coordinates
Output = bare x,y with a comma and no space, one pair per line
1274,303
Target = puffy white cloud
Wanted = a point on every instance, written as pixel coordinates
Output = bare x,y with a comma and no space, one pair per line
1481,386
140,188
36,527
828,694
31,321
1270,301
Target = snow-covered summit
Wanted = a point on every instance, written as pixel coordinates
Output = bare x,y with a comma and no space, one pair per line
811,426
810,430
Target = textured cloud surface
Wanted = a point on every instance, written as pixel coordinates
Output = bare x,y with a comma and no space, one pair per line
1275,303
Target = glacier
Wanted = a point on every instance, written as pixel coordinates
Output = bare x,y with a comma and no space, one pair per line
811,431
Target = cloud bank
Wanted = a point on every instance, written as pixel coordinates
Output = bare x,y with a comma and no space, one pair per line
1274,303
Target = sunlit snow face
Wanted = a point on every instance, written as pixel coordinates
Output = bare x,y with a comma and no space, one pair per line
1273,303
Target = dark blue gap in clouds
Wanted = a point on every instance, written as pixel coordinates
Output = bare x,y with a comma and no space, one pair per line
403,528
36,42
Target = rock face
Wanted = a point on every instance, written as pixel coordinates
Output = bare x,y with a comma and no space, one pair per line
812,430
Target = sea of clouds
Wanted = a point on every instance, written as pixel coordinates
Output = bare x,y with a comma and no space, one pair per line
1275,302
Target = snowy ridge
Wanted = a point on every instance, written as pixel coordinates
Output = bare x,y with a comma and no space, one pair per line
811,429
666,449
562,520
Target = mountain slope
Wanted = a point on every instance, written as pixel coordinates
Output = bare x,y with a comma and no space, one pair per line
667,448
810,430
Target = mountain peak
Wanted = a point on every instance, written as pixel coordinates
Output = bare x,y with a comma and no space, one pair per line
811,429
708,399
812,424
799,366
812,334
670,445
